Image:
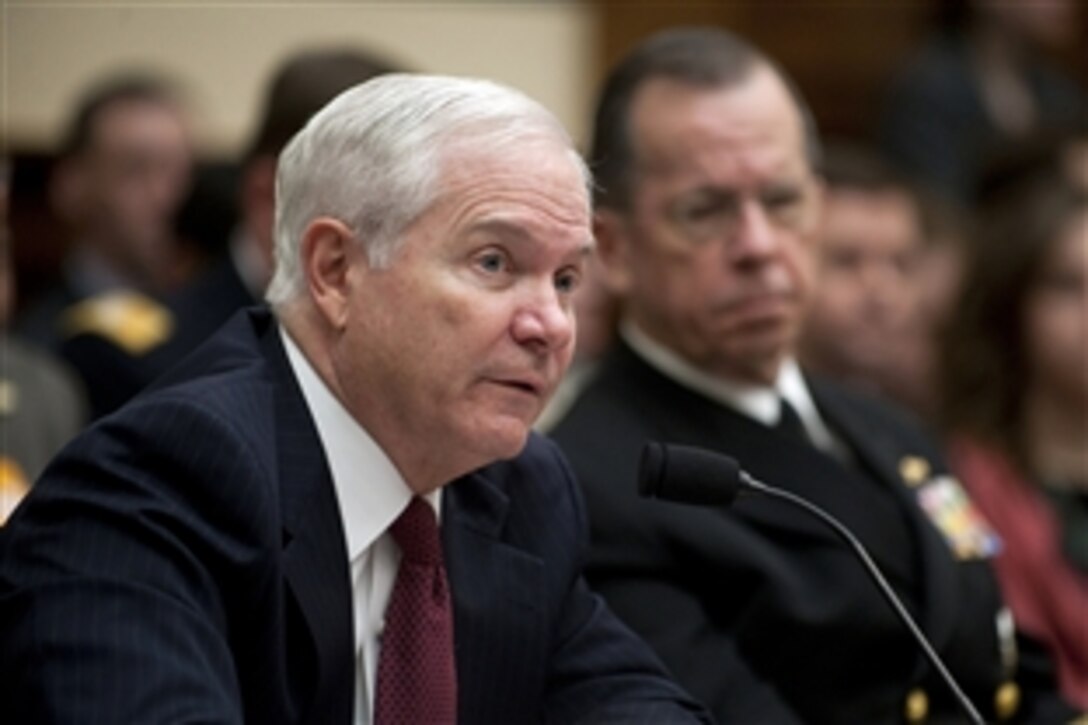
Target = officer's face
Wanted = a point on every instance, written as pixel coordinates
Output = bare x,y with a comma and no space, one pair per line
716,252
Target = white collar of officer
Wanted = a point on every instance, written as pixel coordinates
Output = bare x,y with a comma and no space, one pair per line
759,402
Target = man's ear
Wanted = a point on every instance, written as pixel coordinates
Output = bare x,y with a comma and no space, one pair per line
611,230
327,254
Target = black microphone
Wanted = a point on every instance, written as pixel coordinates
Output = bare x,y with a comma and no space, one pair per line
686,474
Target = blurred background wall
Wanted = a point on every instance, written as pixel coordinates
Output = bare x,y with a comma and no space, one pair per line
841,52
223,52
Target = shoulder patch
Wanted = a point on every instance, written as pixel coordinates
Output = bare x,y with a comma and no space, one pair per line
132,321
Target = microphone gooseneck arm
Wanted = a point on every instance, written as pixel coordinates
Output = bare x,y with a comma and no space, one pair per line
697,476
753,484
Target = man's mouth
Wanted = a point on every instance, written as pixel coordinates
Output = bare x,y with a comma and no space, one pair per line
531,386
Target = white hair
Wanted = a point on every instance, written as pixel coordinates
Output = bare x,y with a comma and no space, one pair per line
372,158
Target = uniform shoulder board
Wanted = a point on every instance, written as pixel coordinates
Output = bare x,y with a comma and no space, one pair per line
132,321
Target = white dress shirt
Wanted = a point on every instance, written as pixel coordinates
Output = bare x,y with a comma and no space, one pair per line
758,402
372,494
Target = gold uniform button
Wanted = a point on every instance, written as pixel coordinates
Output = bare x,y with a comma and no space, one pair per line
916,706
914,470
1006,700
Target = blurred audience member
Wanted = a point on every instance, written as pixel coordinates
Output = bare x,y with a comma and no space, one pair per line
983,82
864,324
1063,152
1015,393
122,172
301,85
41,406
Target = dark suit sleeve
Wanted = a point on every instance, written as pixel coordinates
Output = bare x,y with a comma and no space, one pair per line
111,596
600,671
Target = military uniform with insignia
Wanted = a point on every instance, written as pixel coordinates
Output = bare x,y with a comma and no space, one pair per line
761,611
110,334
116,341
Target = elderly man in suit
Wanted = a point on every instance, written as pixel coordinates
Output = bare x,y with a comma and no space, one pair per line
335,511
707,209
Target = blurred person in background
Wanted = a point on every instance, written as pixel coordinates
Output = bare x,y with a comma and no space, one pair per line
1015,403
300,86
983,82
41,404
122,172
864,325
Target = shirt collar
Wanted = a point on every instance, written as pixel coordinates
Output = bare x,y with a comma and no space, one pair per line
369,488
755,401
761,403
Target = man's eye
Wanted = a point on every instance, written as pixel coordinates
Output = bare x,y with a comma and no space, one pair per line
566,282
701,212
492,262
842,257
705,219
781,200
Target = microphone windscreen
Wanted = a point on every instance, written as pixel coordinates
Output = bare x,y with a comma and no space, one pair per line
688,475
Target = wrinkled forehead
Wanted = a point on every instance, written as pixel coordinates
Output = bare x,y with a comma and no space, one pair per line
537,189
514,150
542,164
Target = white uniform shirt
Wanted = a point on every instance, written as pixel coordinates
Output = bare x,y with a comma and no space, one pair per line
758,402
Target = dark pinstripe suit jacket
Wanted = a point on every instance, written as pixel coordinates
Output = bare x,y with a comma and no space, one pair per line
184,561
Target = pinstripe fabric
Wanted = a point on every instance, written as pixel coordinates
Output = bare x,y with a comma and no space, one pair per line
184,561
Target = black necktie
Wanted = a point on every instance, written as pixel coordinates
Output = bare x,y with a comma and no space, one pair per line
789,423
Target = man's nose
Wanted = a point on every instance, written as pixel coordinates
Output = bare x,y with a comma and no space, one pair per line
545,321
754,235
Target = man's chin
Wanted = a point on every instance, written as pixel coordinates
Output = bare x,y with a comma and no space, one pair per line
754,361
505,438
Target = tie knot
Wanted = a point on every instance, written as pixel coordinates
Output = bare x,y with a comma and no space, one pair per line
416,533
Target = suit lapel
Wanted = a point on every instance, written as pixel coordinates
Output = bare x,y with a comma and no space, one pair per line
498,590
315,561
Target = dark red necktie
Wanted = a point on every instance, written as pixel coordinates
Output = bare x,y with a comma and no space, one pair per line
417,677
